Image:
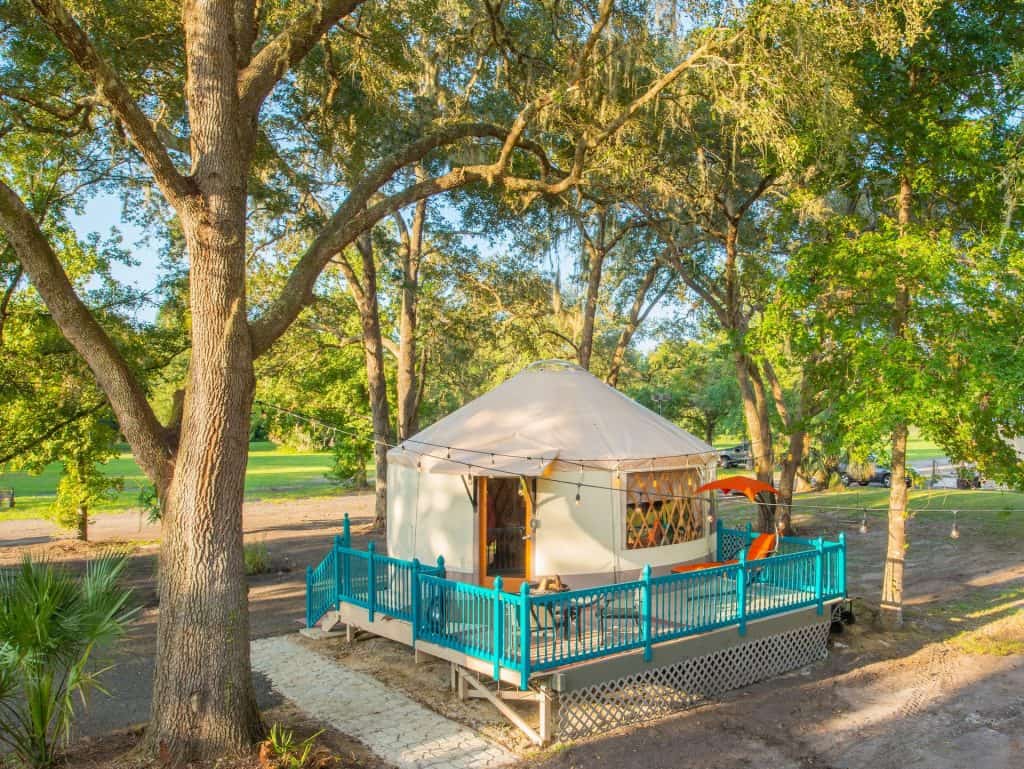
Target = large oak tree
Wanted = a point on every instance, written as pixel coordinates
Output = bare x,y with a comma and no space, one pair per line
190,95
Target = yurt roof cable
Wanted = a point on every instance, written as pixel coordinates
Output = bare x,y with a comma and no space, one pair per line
312,420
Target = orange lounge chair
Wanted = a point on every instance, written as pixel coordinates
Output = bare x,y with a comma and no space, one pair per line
761,547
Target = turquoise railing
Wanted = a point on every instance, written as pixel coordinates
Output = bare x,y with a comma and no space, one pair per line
531,632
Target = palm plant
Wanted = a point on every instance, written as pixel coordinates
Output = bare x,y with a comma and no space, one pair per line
52,626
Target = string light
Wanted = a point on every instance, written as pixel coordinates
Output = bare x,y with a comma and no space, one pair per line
579,485
954,533
295,417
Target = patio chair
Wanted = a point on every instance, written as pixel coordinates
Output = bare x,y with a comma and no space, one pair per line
764,546
620,607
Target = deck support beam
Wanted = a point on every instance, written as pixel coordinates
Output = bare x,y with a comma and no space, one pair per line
481,691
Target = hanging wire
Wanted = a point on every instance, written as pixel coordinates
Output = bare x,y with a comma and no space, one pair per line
579,462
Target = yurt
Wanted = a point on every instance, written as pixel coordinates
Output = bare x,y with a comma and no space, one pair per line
552,473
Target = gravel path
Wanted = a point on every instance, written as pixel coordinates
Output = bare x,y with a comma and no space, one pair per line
396,728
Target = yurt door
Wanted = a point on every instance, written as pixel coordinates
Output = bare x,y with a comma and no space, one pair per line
505,512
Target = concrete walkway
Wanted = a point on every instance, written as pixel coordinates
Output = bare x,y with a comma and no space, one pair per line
396,728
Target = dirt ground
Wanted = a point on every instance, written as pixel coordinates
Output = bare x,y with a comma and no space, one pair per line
945,693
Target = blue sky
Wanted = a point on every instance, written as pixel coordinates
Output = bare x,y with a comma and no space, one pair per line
102,215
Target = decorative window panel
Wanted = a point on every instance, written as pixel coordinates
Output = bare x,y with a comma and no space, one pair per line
661,508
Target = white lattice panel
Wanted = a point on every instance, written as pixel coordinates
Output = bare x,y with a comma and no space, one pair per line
657,692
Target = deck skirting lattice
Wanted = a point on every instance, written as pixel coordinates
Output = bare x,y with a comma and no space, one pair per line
659,691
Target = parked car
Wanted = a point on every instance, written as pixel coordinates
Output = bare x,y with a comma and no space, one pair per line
735,456
869,472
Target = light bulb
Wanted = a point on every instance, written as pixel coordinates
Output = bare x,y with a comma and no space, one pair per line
577,497
954,533
863,525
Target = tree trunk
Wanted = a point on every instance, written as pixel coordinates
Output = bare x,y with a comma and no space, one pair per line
595,265
373,344
204,705
788,468
83,523
896,544
203,699
895,552
637,315
406,380
755,413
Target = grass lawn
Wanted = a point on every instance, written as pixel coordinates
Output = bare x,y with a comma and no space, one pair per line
999,513
273,472
918,448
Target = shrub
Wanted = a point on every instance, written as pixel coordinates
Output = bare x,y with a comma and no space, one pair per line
52,627
284,751
257,558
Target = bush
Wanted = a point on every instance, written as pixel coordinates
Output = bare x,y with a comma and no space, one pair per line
52,626
282,750
257,558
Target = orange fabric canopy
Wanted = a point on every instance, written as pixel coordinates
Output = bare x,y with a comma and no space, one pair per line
741,483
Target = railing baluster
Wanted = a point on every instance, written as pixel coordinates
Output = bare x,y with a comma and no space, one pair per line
498,629
524,636
741,592
414,599
645,612
819,574
371,582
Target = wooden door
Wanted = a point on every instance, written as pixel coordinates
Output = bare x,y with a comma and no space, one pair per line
505,542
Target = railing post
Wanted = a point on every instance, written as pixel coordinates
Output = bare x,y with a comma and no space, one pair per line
346,531
819,574
414,599
524,636
645,612
718,539
750,535
499,634
842,564
337,571
741,591
371,582
440,567
309,596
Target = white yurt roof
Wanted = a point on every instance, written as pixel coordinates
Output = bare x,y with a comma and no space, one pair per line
552,415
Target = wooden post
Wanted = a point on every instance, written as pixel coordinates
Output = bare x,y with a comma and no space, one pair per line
371,583
346,531
741,591
819,574
842,564
645,612
524,636
718,539
546,714
440,567
337,572
499,630
309,596
414,599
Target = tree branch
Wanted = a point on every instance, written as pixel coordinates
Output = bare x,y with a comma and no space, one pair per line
175,187
52,430
355,215
287,49
79,327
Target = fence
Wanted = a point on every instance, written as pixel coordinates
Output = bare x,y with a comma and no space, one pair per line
531,632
